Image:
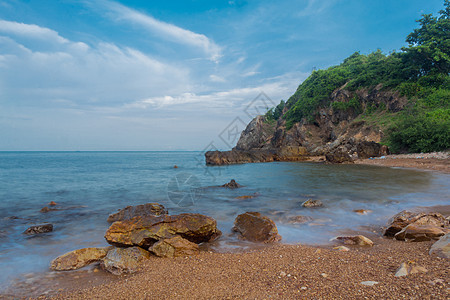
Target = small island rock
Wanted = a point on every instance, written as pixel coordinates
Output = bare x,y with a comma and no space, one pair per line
39,229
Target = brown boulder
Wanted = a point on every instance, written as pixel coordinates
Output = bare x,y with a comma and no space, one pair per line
148,209
78,258
338,156
367,149
254,227
174,247
420,233
144,231
359,240
39,229
404,218
124,260
52,203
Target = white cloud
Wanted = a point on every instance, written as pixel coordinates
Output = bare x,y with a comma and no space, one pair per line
30,31
164,30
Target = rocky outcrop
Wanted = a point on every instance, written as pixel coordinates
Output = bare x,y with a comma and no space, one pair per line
232,184
77,259
442,247
405,218
419,233
144,231
32,230
124,260
174,247
148,209
338,156
332,128
254,227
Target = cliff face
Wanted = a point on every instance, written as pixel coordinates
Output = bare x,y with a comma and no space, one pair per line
336,128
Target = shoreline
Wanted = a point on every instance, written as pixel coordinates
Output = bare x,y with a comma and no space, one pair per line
281,271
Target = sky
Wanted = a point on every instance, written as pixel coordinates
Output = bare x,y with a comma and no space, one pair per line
172,75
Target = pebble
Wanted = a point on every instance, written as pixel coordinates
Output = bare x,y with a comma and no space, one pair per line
369,283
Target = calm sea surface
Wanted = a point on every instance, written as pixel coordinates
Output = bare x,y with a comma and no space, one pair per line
88,186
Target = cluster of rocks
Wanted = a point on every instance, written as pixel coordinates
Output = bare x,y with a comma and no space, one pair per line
138,232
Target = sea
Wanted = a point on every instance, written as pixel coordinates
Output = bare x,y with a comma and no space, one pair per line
88,186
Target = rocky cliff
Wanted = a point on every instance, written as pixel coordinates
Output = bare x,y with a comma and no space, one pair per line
338,131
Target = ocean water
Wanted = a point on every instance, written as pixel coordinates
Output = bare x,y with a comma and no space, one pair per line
88,186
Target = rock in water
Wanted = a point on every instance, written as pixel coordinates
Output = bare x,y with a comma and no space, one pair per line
232,184
39,229
359,240
124,260
78,258
442,247
404,218
420,233
144,231
312,203
174,247
148,209
299,219
254,227
406,269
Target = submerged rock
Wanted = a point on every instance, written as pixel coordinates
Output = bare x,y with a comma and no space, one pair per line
52,203
359,240
144,231
46,209
124,260
39,229
419,233
77,259
404,218
174,247
148,209
299,219
362,211
442,247
232,184
312,203
254,227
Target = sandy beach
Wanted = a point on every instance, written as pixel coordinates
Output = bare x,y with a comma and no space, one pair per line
277,271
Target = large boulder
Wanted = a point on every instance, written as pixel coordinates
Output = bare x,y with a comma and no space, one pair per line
367,149
148,209
442,247
32,230
254,227
76,259
174,247
419,233
144,231
404,218
338,156
124,260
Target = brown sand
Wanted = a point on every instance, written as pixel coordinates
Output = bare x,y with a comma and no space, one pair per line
283,272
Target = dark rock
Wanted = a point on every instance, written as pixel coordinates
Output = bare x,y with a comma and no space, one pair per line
338,156
359,240
148,209
232,184
39,229
124,260
404,218
254,227
367,149
419,233
312,203
144,231
77,259
47,209
174,247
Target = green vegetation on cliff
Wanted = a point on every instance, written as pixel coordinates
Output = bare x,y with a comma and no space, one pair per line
420,72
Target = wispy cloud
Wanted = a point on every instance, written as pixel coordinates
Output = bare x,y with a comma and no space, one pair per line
164,30
30,31
315,7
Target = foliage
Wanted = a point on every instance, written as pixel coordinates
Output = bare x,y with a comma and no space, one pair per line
420,72
274,114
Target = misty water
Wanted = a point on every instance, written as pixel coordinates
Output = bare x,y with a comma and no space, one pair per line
88,186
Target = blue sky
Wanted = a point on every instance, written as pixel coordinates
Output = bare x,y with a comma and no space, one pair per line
171,75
